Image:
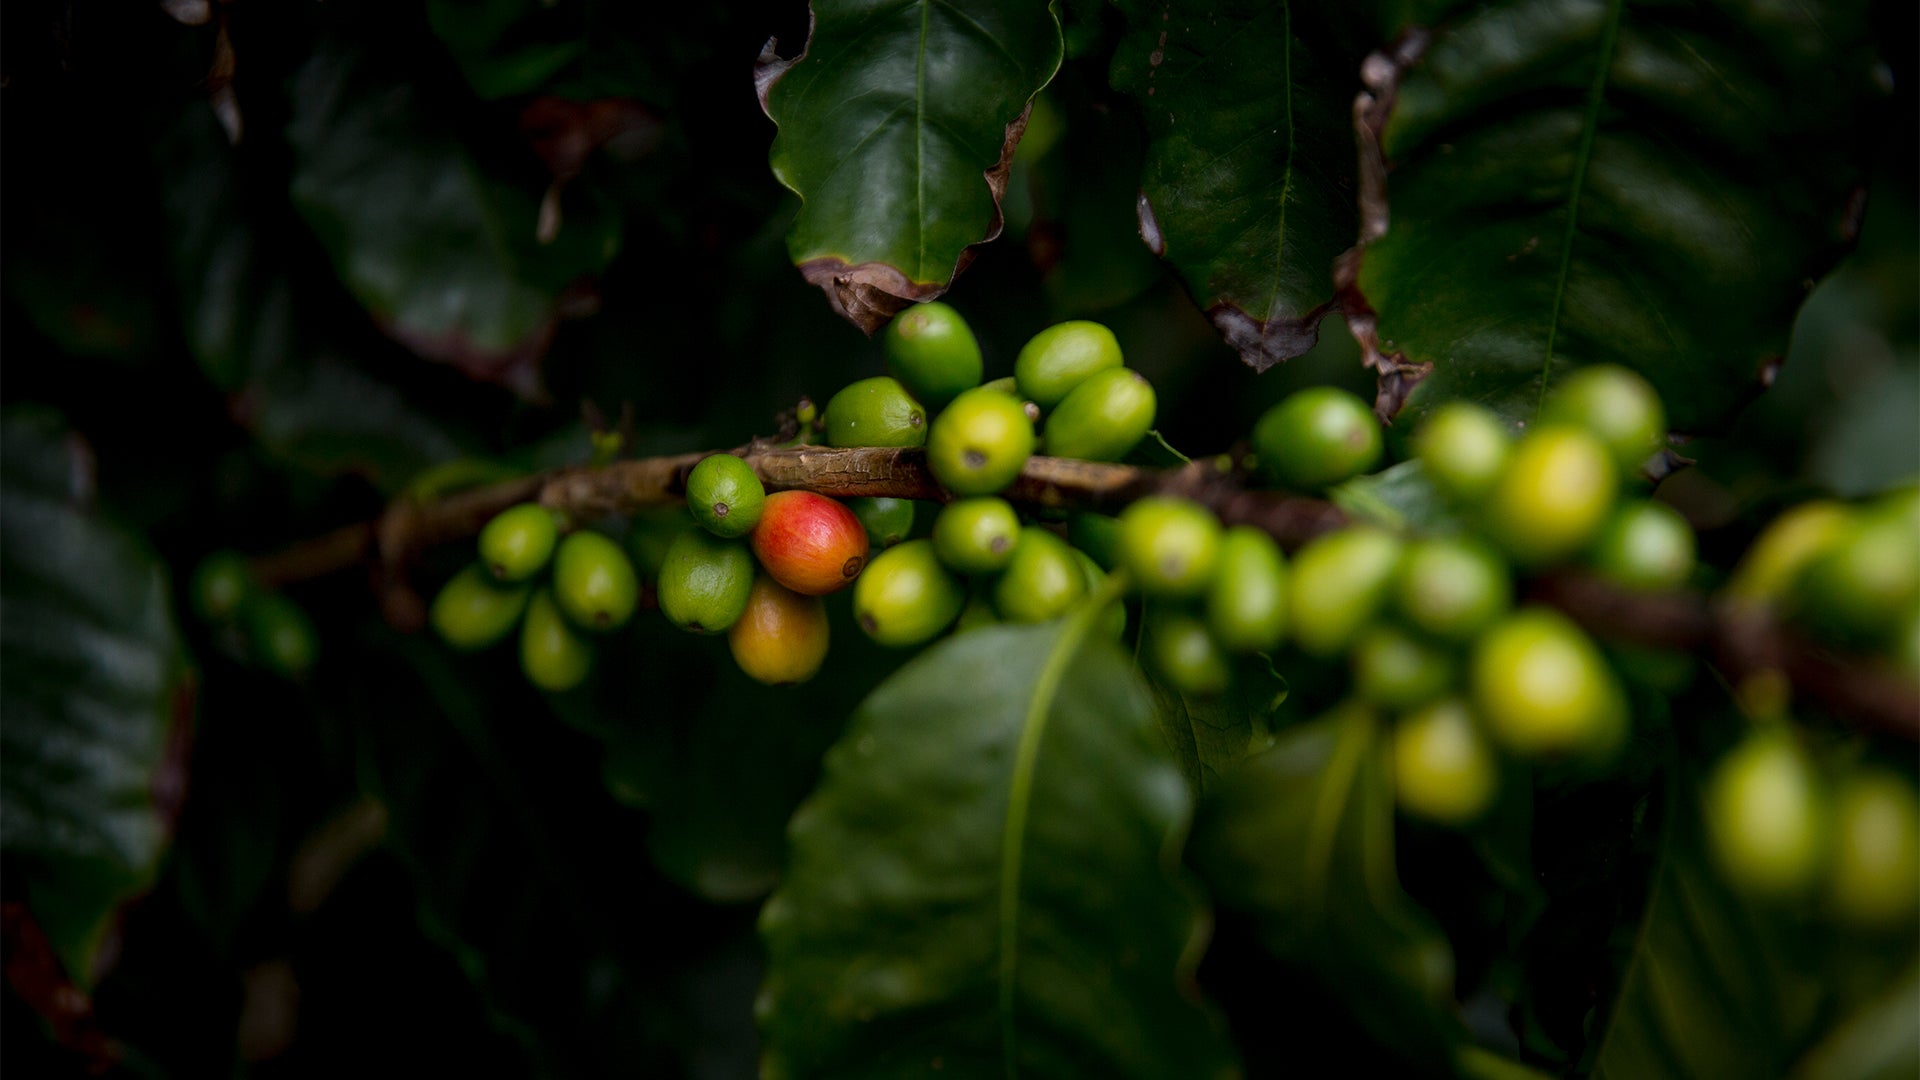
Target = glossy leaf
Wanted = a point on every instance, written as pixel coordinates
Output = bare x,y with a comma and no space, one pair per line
898,122
1399,497
1209,735
1248,183
1572,182
94,697
1301,838
936,916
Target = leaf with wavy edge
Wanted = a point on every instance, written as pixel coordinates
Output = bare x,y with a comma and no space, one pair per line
1553,183
898,122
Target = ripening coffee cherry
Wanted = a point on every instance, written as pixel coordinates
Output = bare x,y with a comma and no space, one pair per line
906,597
980,442
1316,438
1552,497
1041,581
1112,619
553,655
725,495
1873,878
1544,689
1061,357
887,521
1396,670
1443,768
517,543
1452,587
1246,601
1646,545
1185,654
932,351
875,412
1616,405
1103,418
1774,563
221,584
1338,583
1860,587
280,637
704,581
809,543
593,581
1170,546
781,638
1462,447
977,535
1766,817
473,611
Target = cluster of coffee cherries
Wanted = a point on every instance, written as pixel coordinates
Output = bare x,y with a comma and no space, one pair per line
253,623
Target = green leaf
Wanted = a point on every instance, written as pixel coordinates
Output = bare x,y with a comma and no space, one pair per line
898,121
1301,838
1248,183
94,697
936,913
1399,497
1573,182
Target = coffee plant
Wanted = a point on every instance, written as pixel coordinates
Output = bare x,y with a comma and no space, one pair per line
1000,539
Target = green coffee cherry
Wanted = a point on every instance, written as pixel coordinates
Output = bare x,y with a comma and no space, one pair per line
875,412
593,582
1646,545
1338,583
1041,581
1098,535
1396,670
1616,405
1006,384
1462,447
221,585
472,611
1443,769
1857,591
978,613
977,535
1170,546
1060,357
1766,816
905,596
1316,438
1185,654
554,657
887,521
1452,587
1102,418
1873,879
704,582
279,634
517,543
1247,599
1552,497
1544,689
1781,553
979,443
1112,619
932,351
725,495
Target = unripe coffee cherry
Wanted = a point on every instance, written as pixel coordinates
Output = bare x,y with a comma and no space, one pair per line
1098,535
280,635
1443,769
1646,545
1103,418
553,655
1316,438
782,636
1170,546
1544,689
1185,654
1616,405
1338,582
1062,356
1041,581
1781,553
932,351
875,412
593,582
977,535
519,540
887,521
980,442
1873,880
704,581
1247,598
1462,447
1765,816
1396,670
809,543
1452,587
1552,497
472,611
221,584
1860,587
906,597
725,495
